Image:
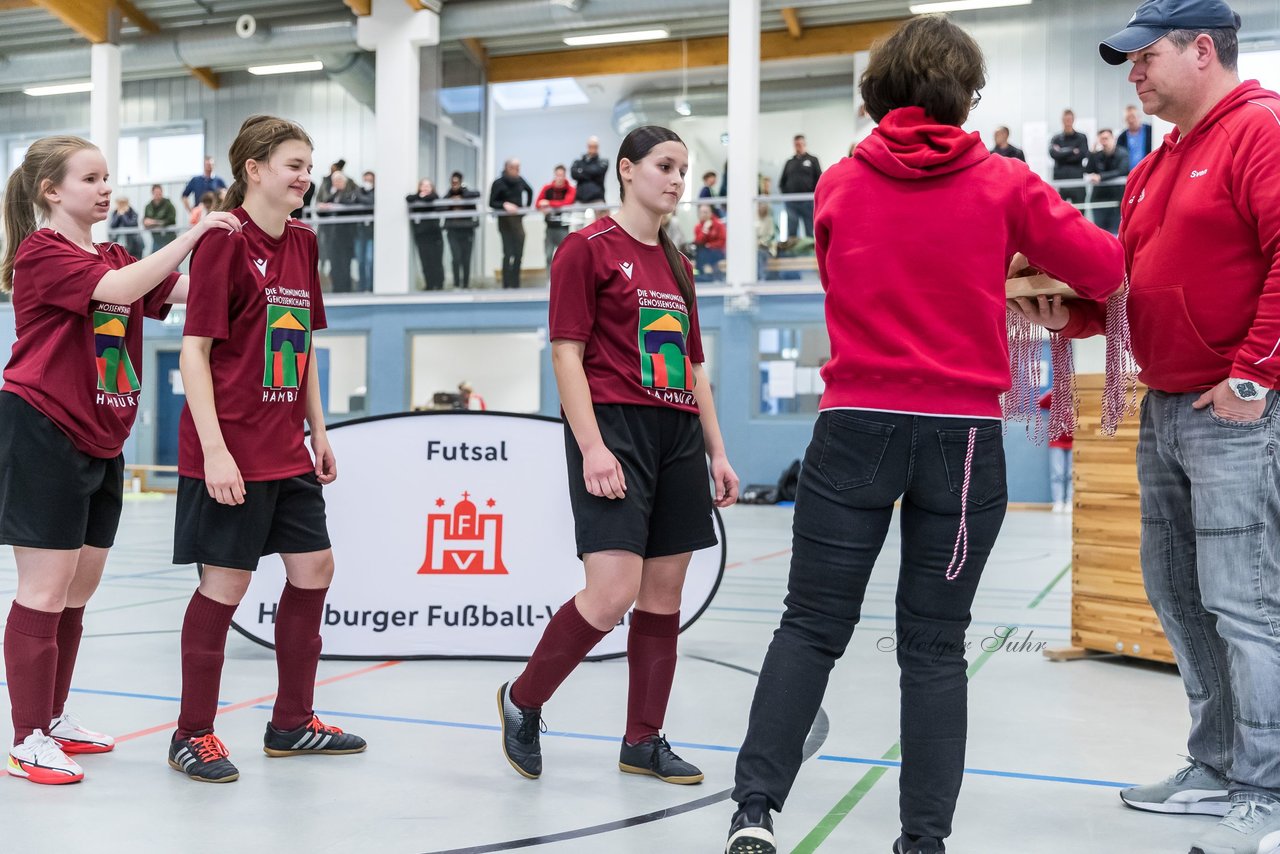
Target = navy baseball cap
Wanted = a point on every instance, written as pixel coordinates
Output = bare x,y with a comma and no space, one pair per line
1155,19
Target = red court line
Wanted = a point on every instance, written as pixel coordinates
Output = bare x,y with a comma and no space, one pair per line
235,707
738,563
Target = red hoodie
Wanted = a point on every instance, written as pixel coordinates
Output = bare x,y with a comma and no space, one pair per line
914,237
1201,235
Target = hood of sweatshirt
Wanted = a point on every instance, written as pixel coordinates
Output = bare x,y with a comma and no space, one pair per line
1247,91
909,145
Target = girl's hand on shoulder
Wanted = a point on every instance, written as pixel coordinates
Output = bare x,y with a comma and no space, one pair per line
222,478
218,219
726,481
602,473
326,464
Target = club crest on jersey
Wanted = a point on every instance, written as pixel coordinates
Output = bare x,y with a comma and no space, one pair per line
261,264
626,267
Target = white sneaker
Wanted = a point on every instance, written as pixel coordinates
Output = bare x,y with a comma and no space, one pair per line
74,738
41,760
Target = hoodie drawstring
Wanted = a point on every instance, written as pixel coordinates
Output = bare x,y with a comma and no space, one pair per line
961,548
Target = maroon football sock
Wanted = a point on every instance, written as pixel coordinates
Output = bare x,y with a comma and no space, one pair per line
70,628
564,644
297,654
31,665
204,643
651,663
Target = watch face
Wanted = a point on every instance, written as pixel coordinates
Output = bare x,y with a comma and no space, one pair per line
1246,390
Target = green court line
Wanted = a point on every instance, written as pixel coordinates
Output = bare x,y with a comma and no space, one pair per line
1048,588
846,804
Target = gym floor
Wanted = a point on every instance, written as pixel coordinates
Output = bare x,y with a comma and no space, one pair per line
1050,743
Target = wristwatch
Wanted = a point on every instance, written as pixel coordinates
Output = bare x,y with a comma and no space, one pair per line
1247,389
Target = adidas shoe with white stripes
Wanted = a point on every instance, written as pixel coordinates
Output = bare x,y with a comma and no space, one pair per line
314,736
202,757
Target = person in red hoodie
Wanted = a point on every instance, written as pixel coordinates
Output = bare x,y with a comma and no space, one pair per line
1059,463
709,237
915,234
1201,234
558,194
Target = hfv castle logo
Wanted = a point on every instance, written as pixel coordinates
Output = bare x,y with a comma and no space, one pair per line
464,542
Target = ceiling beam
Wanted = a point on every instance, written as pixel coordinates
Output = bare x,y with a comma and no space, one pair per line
360,7
792,20
88,18
476,50
705,52
136,15
205,76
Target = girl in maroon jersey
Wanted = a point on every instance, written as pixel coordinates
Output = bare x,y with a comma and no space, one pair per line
247,485
639,423
69,399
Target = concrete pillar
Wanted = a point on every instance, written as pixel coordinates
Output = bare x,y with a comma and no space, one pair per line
396,33
744,118
104,112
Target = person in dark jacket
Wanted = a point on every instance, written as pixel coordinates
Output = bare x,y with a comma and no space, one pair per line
509,194
1003,146
1106,164
427,236
125,217
800,175
340,237
588,173
461,229
1069,150
160,214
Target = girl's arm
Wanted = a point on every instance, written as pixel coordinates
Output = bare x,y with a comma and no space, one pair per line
726,480
326,465
221,474
600,468
178,296
129,284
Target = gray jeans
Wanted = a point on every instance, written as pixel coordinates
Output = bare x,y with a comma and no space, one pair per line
1211,566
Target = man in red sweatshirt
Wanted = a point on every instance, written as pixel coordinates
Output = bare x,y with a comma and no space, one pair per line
1201,234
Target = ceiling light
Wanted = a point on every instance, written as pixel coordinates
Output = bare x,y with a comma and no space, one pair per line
60,89
963,5
616,38
287,68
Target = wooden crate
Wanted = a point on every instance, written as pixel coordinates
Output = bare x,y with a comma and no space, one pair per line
1109,607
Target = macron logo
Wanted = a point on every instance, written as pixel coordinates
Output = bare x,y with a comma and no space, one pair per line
261,264
626,267
1199,173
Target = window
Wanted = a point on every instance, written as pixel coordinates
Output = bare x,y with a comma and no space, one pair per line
343,361
789,358
503,368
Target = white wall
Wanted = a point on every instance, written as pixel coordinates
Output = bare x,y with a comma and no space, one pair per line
505,368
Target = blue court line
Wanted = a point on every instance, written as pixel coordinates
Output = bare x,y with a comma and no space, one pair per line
129,695
986,772
584,736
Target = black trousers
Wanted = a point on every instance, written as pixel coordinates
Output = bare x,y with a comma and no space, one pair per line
512,230
461,240
430,245
858,463
799,213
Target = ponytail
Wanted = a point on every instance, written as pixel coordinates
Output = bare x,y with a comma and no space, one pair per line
234,197
676,260
45,161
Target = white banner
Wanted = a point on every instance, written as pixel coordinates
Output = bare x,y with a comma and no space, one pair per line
453,537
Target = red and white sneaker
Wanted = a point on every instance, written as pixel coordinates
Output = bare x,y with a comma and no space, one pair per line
74,738
41,760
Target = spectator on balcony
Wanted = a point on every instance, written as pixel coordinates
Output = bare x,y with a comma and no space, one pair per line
800,175
509,194
558,194
160,216
1108,163
125,217
1137,136
205,182
461,229
427,235
340,237
1069,150
364,232
1004,148
709,237
589,173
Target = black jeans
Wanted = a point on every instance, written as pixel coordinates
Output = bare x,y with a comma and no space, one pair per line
512,230
857,465
461,241
800,213
430,245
